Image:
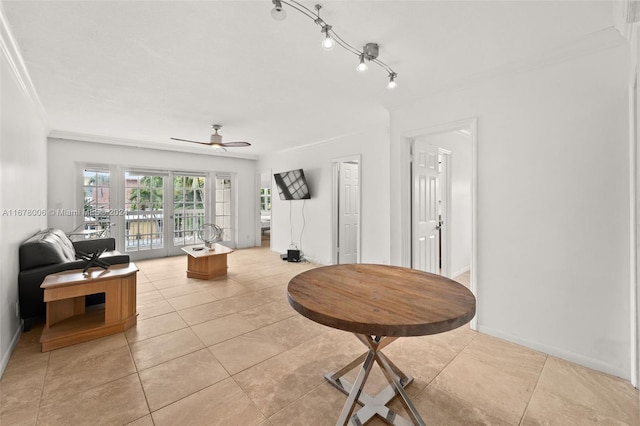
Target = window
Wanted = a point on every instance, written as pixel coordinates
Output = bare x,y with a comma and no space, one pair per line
223,206
265,199
95,189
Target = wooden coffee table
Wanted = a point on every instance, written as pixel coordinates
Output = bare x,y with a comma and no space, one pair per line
204,263
379,303
68,321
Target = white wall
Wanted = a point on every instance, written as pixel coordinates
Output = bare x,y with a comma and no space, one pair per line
65,191
460,204
553,215
23,179
316,160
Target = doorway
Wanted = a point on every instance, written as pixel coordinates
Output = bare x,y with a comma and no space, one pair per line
264,208
346,210
441,203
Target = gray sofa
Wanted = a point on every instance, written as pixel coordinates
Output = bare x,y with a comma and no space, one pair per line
50,251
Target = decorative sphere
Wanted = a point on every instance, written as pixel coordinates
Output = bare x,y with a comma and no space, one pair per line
209,234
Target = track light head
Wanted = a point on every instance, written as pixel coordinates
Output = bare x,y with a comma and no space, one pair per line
278,13
327,43
392,81
362,66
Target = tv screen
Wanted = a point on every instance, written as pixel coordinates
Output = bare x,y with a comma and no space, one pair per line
292,185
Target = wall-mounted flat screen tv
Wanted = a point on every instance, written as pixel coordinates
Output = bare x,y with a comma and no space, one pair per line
292,185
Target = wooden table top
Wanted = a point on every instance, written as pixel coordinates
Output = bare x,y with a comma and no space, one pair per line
75,276
381,300
217,249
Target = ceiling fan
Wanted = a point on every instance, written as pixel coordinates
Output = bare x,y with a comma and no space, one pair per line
216,140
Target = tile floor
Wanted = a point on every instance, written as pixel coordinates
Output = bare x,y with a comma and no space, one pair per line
232,352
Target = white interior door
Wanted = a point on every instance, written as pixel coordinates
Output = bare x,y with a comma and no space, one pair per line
348,212
425,221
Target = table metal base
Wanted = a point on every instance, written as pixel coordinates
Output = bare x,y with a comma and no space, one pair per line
372,406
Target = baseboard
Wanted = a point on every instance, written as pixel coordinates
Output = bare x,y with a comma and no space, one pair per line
461,271
594,364
6,356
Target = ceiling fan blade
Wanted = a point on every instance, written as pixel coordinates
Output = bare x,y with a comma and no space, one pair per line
187,140
236,144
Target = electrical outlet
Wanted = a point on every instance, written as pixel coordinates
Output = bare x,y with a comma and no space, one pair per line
18,309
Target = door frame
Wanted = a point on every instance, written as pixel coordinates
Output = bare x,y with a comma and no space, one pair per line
151,253
406,237
258,186
335,203
445,194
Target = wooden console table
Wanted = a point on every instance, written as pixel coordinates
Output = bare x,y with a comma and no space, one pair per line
69,322
204,263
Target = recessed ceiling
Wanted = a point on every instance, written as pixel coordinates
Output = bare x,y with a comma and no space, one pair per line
148,71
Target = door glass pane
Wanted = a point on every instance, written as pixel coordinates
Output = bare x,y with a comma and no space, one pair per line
223,206
144,219
189,212
96,221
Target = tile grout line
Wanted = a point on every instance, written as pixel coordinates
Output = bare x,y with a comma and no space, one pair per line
44,379
535,387
146,400
252,401
475,335
96,386
294,401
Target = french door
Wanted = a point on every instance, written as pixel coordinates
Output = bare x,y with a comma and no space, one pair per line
163,212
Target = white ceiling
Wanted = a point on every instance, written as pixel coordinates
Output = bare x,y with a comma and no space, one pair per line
151,70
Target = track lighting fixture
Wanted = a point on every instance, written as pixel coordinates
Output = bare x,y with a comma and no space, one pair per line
368,53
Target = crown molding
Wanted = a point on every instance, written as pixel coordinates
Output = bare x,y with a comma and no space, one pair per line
11,53
161,146
604,39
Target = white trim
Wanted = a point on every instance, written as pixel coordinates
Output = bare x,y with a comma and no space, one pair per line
405,216
592,363
7,355
11,52
634,297
162,146
323,141
446,244
460,272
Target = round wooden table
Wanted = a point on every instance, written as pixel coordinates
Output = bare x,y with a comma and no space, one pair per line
379,303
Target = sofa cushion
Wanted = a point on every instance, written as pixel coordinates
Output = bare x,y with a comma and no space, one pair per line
46,248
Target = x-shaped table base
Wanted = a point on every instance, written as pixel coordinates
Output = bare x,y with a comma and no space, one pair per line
378,404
